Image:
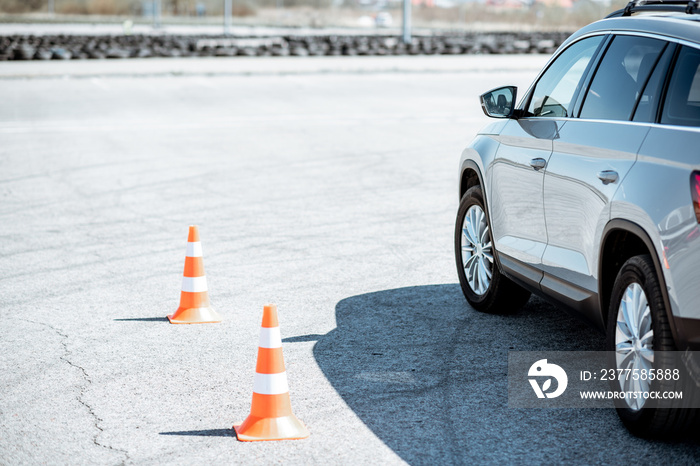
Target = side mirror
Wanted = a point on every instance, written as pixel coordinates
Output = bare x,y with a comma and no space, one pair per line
500,102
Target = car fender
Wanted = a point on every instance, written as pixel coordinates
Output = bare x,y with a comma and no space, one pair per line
479,155
647,232
472,159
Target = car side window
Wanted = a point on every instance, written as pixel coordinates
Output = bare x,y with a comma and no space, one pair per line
682,103
620,77
554,92
648,102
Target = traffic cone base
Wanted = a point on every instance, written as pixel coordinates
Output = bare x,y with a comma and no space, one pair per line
195,315
255,429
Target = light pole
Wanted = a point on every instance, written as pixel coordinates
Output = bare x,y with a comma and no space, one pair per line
156,14
406,28
228,7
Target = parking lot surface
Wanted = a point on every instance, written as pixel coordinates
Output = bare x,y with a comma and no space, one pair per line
330,192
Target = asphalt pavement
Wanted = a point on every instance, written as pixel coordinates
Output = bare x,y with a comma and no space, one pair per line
257,66
327,186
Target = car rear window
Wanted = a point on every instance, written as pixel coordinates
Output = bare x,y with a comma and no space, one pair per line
682,104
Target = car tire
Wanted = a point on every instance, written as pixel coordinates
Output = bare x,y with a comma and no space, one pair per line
482,282
637,283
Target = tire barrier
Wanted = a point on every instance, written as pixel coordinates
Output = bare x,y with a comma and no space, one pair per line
73,47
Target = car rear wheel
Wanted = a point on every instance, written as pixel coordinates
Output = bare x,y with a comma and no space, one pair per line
639,338
485,288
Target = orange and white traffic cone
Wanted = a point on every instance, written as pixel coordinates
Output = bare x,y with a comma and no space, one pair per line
194,297
271,416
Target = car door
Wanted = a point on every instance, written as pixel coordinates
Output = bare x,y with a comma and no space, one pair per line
591,156
517,171
669,156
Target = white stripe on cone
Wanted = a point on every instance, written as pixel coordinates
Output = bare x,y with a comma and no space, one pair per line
270,337
194,284
271,384
194,249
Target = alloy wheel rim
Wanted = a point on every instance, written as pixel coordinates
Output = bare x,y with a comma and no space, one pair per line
477,251
634,338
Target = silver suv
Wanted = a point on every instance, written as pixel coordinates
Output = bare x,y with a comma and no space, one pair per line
587,192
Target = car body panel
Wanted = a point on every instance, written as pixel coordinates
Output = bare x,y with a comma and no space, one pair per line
666,159
494,128
517,213
472,157
680,27
577,202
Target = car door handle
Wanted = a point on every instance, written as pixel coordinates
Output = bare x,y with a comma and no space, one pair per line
538,163
608,176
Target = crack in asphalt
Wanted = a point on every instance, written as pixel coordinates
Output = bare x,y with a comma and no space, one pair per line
96,419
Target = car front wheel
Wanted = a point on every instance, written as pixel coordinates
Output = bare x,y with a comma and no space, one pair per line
485,288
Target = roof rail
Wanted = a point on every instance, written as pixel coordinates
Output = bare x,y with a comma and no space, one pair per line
635,6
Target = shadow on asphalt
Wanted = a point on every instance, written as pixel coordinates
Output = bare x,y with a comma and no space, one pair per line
205,433
143,319
428,375
302,338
